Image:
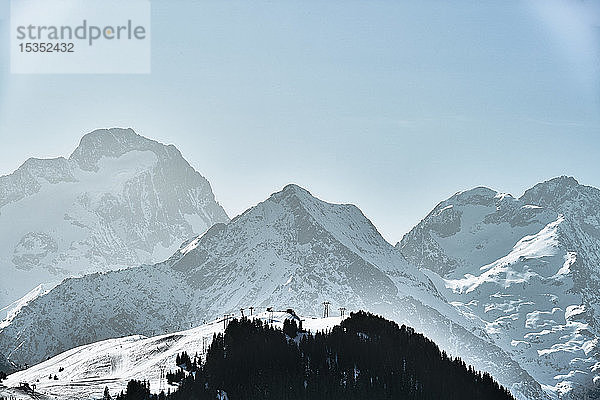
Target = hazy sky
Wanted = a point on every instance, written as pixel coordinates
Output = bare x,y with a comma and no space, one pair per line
392,106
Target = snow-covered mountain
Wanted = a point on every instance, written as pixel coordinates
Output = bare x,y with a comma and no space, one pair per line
526,271
290,250
84,372
118,201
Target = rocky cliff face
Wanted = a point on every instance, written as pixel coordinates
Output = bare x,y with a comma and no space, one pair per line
120,200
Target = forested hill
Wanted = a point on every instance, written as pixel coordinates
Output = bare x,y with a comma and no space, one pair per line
366,357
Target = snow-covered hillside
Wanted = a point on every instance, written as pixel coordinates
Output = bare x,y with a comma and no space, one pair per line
84,372
526,271
291,249
118,201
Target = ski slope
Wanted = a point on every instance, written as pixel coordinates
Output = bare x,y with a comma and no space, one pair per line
85,371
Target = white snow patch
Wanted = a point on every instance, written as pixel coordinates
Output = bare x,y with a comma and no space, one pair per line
13,309
542,244
531,206
570,259
191,245
573,311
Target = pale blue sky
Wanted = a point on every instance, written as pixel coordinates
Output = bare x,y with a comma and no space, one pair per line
392,106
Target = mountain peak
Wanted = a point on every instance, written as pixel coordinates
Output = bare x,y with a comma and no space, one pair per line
560,182
294,193
547,193
477,195
291,189
111,136
569,180
566,196
477,191
294,188
113,142
43,167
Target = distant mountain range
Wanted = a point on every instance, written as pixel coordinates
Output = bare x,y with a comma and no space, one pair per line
509,285
119,200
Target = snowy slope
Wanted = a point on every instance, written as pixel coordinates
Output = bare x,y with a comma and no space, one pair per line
526,271
295,245
473,227
120,200
87,370
292,249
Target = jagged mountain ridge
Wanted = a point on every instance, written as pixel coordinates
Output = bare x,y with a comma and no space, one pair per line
290,249
118,201
526,271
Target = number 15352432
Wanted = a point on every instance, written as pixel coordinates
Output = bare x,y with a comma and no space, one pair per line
36,47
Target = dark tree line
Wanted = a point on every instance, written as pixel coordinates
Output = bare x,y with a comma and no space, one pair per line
184,361
366,357
176,376
136,390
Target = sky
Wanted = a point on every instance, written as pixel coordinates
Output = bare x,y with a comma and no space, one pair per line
389,105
